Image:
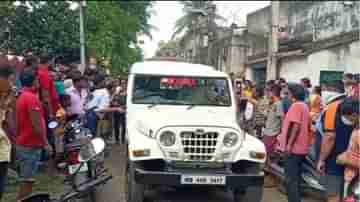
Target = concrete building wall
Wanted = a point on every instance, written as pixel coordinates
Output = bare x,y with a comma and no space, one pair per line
257,45
237,54
258,22
284,13
322,19
344,58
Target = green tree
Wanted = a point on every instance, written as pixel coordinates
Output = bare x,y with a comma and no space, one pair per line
112,28
6,11
142,11
43,26
170,48
192,10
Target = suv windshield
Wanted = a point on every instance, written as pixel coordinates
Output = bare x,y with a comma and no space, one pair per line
174,90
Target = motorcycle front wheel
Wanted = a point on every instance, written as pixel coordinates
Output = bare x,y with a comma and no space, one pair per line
90,195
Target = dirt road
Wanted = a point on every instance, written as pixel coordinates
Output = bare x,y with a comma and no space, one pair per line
114,190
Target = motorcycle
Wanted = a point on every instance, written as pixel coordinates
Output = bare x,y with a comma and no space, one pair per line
75,137
88,152
310,176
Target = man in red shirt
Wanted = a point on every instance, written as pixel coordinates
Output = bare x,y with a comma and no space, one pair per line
49,99
295,140
49,96
30,132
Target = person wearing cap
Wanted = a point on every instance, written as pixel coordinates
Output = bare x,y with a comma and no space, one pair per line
5,97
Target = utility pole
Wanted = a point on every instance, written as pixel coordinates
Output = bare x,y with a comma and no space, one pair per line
211,32
271,70
82,36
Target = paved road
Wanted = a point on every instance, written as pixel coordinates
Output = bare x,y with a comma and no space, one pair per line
114,190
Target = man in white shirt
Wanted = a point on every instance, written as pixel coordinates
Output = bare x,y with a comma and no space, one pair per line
100,103
100,100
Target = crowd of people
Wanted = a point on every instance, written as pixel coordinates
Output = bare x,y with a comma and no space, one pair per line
297,120
294,118
35,91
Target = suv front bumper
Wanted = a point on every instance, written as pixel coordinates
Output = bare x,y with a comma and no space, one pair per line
174,178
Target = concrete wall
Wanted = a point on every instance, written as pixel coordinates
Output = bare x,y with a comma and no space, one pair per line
322,19
345,58
284,13
257,44
258,22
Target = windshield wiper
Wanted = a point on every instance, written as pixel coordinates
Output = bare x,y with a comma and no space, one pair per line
152,105
190,106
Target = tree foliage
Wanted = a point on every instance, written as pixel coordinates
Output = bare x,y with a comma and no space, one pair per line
141,11
170,48
192,11
111,28
49,26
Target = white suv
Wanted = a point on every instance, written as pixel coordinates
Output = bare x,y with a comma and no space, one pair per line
182,131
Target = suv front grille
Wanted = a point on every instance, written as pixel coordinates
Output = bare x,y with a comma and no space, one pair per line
199,147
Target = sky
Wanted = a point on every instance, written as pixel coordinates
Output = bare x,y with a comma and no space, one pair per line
167,12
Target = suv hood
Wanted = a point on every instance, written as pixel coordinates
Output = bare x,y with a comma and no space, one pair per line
159,117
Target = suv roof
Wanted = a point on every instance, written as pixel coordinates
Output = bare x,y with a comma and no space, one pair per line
174,59
175,68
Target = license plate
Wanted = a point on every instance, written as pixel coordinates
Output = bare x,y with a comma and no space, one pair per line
73,168
210,180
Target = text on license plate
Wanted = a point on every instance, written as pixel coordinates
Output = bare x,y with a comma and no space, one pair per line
213,180
73,168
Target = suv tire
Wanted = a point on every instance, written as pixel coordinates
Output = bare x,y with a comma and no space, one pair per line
253,194
135,191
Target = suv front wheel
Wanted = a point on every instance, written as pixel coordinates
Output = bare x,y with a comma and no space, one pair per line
135,191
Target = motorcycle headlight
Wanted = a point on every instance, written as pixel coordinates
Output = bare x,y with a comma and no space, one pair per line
230,139
167,138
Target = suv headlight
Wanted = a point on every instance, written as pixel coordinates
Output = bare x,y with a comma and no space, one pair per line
167,138
230,139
